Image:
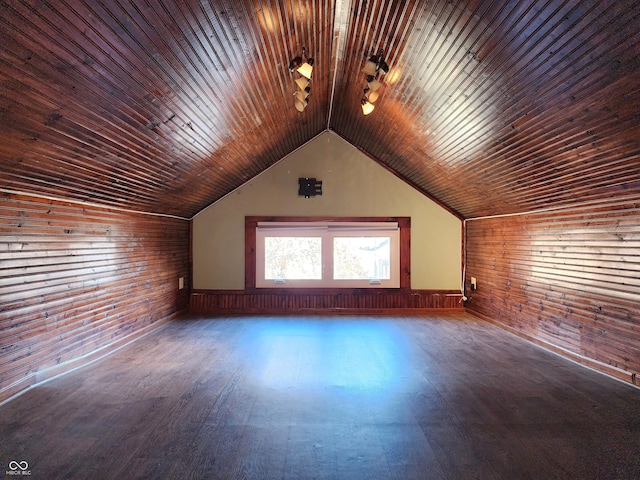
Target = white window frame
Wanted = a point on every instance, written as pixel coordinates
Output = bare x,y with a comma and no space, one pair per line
328,230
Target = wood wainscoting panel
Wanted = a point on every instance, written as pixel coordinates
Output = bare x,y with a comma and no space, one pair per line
568,280
324,301
77,281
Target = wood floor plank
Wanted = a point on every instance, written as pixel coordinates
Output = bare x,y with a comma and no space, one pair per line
443,396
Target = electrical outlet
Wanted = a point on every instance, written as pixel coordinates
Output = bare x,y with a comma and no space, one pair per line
180,283
474,285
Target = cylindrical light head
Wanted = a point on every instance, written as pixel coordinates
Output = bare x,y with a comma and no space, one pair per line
369,67
367,107
302,83
305,69
300,105
393,76
375,85
301,95
373,96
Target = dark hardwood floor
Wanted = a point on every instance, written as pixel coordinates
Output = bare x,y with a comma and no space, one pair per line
443,396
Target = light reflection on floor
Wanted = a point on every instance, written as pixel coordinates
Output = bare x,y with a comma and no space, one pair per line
347,353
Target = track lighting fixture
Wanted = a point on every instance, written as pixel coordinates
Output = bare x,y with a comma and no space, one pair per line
303,68
374,68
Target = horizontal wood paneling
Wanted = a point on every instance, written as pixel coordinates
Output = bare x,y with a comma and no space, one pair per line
569,280
323,301
76,281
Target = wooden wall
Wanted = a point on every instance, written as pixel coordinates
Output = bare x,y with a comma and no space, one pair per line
568,280
77,282
324,300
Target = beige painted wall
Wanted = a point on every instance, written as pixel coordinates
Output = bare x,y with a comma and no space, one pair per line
352,185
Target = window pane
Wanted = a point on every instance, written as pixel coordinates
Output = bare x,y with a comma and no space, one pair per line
361,258
293,258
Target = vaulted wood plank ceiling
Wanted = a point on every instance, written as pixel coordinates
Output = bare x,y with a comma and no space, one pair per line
491,107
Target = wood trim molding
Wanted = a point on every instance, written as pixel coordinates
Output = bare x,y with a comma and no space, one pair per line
44,375
251,222
610,370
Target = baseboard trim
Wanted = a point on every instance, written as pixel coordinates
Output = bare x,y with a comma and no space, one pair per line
609,370
331,311
47,374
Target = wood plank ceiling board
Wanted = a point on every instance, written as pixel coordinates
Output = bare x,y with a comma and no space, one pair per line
490,107
156,106
501,107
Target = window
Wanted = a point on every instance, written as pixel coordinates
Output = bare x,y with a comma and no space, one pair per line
326,253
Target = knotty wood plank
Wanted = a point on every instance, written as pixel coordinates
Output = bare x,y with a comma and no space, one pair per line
76,279
567,279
